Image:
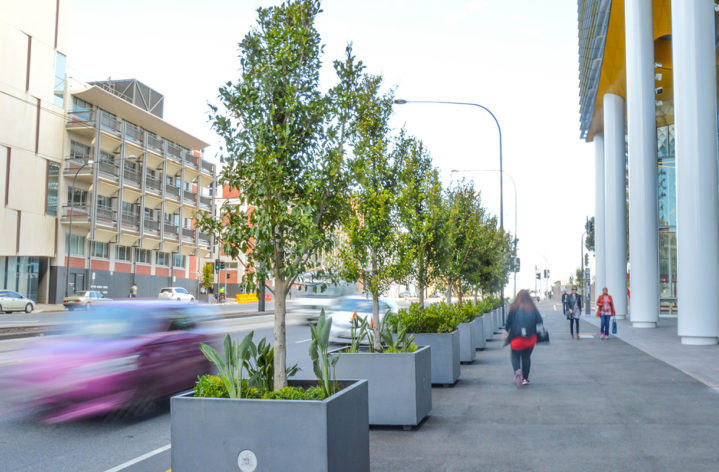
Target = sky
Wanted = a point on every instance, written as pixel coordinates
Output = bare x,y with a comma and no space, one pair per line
518,58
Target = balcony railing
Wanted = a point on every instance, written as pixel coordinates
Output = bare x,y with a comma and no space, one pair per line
81,119
188,233
110,124
154,143
106,216
153,185
190,160
73,165
172,191
170,230
109,169
134,133
208,167
152,226
132,177
174,151
205,202
80,212
130,220
190,196
204,238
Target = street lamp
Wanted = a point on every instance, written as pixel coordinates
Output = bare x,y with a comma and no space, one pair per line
514,184
400,101
69,238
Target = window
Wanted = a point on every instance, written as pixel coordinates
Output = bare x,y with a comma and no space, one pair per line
143,256
129,209
79,151
81,109
99,250
149,214
187,223
104,202
107,158
163,259
59,91
122,253
178,260
76,243
76,196
53,177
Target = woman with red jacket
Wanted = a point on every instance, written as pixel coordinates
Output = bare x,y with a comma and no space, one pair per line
521,335
605,310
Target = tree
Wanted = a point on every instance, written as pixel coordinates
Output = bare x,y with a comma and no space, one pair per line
372,250
282,148
208,275
419,202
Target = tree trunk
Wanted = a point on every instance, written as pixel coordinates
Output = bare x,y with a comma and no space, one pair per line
280,361
449,291
376,340
420,289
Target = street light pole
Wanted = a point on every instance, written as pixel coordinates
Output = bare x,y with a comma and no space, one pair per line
400,101
69,238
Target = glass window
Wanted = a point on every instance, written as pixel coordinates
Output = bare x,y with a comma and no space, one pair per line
122,253
98,249
104,202
143,256
59,89
76,196
79,151
178,260
163,259
76,243
53,178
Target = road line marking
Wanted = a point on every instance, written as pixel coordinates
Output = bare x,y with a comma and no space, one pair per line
303,341
139,459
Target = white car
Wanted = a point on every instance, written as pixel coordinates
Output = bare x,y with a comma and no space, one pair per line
13,301
176,293
341,330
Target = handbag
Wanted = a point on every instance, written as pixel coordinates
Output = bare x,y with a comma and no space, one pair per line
542,334
614,325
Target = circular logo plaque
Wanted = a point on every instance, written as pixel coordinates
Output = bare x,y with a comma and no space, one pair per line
247,461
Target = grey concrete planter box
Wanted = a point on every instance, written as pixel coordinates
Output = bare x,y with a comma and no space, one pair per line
497,319
488,325
218,433
477,325
400,384
467,351
445,355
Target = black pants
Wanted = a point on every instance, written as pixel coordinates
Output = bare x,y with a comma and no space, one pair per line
572,323
523,356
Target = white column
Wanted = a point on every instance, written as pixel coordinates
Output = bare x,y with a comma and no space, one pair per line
600,280
615,196
695,110
642,133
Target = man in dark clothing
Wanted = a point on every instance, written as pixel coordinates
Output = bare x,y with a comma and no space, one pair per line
574,311
565,295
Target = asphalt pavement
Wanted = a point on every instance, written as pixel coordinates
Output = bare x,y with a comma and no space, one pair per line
593,405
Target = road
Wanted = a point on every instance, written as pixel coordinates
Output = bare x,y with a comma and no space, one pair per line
101,445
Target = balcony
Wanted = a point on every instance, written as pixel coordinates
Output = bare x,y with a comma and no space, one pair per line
174,152
207,167
190,160
151,226
132,177
154,143
170,230
135,134
172,191
77,166
190,196
110,124
205,203
81,119
130,221
153,185
109,170
188,234
79,212
204,239
106,216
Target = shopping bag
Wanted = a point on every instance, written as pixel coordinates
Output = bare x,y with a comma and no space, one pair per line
614,326
542,334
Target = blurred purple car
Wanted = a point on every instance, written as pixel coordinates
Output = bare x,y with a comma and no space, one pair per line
120,356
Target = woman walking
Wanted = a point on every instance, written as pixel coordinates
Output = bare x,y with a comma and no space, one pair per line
521,335
574,311
605,310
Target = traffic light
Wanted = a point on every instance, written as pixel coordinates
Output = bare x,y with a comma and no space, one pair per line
546,273
516,264
539,276
217,265
586,259
222,265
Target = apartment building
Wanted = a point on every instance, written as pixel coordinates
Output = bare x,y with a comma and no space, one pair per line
98,190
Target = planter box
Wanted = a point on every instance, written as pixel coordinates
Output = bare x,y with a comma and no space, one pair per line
444,353
497,316
467,351
477,325
488,322
218,433
400,384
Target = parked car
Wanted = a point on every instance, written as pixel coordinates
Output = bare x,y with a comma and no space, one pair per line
83,299
13,301
341,330
176,293
118,356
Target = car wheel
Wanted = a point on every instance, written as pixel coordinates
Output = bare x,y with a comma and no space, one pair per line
179,299
28,308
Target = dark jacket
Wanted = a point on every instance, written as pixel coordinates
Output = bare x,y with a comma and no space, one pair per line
519,320
564,302
570,304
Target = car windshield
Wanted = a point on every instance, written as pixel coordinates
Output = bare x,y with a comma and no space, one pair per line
82,294
356,304
166,290
117,321
181,290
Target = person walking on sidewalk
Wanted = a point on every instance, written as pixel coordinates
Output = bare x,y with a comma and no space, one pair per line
521,335
605,310
565,295
574,311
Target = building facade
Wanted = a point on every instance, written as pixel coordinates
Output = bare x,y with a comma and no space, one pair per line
648,88
100,192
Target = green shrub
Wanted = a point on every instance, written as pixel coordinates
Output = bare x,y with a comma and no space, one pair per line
211,386
435,318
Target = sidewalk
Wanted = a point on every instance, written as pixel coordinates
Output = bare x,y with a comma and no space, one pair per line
593,405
